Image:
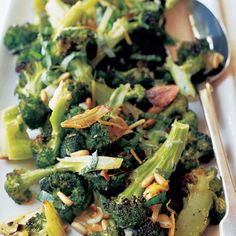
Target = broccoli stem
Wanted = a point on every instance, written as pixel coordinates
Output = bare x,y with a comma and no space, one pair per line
194,217
181,78
57,117
163,161
77,11
30,178
15,143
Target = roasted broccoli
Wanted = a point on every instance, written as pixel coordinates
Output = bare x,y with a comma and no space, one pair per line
147,228
218,211
192,62
192,49
111,187
163,161
75,39
17,38
45,152
194,217
72,143
19,181
128,212
133,76
198,150
94,138
44,221
34,111
74,187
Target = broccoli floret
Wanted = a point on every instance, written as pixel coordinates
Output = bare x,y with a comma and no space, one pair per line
72,143
19,182
190,118
73,186
133,76
35,225
15,143
128,209
129,212
30,81
164,160
41,222
111,187
147,228
192,49
218,211
94,138
194,57
17,38
194,217
113,229
97,137
45,152
137,93
79,93
75,39
73,111
34,111
199,150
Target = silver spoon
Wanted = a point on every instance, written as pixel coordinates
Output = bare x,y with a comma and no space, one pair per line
205,25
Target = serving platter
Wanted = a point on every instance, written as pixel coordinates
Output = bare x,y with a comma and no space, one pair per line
224,97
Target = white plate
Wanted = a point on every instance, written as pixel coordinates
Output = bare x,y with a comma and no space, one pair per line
225,98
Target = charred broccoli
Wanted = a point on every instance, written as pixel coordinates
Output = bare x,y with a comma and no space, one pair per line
34,111
147,228
74,187
45,152
128,212
194,217
111,187
17,38
163,161
75,39
199,150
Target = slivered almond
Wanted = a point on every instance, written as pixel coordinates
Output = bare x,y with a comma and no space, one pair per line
64,76
155,212
164,221
89,103
105,224
148,181
79,228
159,179
65,199
80,153
152,191
96,228
44,96
105,175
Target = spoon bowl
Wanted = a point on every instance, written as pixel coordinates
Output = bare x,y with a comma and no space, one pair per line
206,25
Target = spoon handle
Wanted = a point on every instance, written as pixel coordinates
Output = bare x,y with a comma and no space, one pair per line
227,225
